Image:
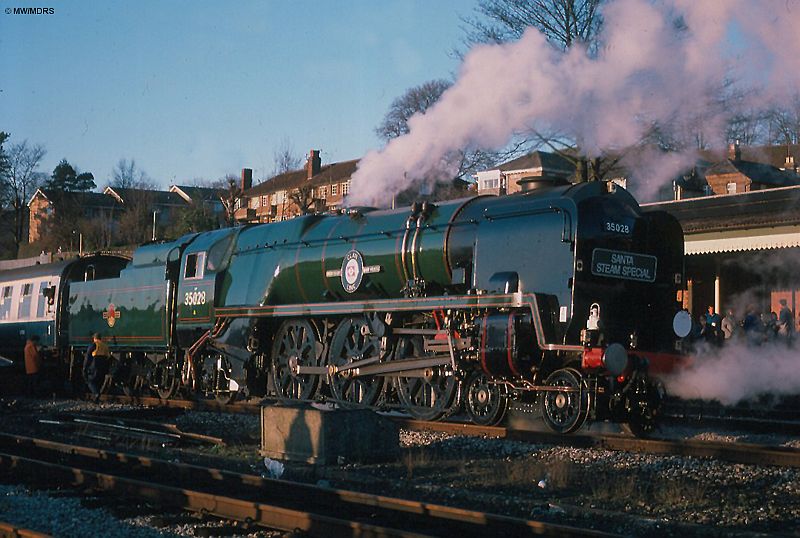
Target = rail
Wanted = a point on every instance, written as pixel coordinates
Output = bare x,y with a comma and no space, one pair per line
275,504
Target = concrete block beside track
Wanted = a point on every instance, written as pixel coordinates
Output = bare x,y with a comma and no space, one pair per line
327,436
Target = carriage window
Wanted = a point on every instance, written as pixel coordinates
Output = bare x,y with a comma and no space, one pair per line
24,310
89,274
5,303
194,265
42,300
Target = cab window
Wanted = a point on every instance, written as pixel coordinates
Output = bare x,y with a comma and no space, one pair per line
194,265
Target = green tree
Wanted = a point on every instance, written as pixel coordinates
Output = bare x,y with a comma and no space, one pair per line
66,179
193,219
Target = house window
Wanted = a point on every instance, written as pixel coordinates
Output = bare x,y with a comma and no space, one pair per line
254,203
322,192
264,201
24,310
731,187
5,303
280,197
194,265
490,183
334,189
345,187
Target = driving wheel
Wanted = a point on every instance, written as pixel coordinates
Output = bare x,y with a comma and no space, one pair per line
429,396
354,341
296,344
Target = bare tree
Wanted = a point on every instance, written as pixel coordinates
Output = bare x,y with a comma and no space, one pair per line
303,198
418,100
126,175
564,22
21,181
285,158
231,196
415,100
784,123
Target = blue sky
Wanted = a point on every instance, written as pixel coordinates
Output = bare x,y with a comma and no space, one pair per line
198,89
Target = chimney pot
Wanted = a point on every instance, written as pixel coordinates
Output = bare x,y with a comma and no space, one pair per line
247,178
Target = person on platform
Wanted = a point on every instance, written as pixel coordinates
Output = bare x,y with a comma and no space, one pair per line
95,365
714,323
752,326
729,326
33,365
785,323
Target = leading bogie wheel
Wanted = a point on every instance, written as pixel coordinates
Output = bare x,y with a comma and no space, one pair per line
565,411
486,403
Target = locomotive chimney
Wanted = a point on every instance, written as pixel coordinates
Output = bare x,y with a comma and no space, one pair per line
532,183
313,164
247,178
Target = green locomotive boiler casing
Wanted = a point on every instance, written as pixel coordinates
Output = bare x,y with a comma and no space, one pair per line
300,261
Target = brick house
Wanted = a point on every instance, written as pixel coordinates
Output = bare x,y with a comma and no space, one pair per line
759,171
46,202
313,188
538,164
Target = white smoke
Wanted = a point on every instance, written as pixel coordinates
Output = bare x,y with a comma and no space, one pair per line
649,71
737,372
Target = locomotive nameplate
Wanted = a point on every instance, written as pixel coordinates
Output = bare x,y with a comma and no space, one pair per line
625,265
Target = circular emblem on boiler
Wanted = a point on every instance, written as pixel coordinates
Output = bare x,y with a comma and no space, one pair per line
352,271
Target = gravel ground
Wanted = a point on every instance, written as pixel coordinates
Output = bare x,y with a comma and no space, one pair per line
629,493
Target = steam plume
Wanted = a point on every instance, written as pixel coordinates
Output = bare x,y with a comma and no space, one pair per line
650,71
739,372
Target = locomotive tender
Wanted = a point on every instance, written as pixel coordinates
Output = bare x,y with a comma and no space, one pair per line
565,294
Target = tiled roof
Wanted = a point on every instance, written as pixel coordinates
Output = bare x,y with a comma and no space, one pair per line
773,155
539,159
162,198
768,207
757,172
206,194
84,199
330,173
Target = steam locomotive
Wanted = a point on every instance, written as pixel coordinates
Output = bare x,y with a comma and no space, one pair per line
565,295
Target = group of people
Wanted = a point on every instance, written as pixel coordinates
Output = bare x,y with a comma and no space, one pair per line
757,328
95,365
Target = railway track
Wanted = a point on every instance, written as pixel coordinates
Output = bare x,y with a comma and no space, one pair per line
251,499
784,421
731,452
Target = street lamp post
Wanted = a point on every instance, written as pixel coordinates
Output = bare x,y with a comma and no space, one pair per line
155,215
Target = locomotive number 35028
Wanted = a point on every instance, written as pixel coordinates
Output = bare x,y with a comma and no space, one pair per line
193,298
617,227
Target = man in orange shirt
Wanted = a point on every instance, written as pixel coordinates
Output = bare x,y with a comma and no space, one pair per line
33,363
